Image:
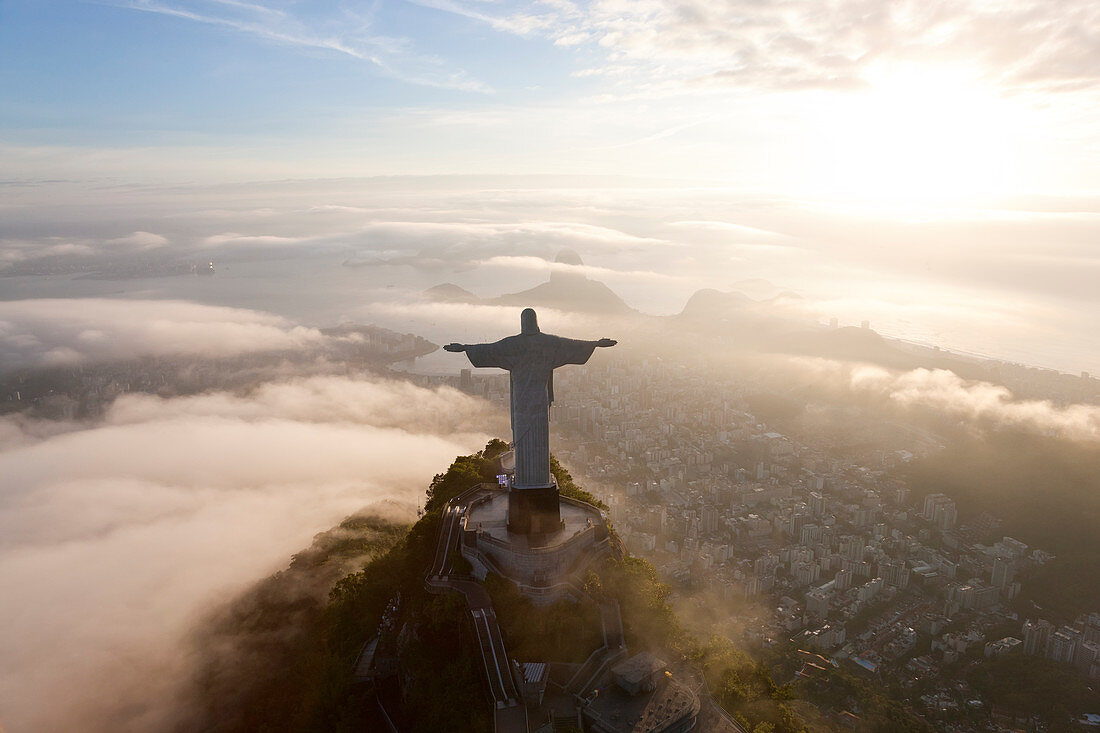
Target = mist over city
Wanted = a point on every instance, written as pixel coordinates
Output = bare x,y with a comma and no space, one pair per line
770,398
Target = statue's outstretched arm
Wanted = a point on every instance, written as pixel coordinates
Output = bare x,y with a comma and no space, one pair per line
485,355
576,351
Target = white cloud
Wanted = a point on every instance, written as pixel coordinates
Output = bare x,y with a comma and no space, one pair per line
22,250
324,399
947,393
541,265
346,33
69,331
461,245
119,535
542,232
249,240
139,241
671,45
740,232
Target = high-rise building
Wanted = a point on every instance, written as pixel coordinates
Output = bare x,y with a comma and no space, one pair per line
709,520
811,534
930,502
895,574
869,590
1063,645
983,597
852,548
1088,652
799,518
805,573
1036,636
817,604
1090,626
1003,572
939,509
1011,548
817,503
765,566
752,586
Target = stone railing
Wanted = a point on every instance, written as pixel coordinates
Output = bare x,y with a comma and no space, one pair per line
576,539
490,490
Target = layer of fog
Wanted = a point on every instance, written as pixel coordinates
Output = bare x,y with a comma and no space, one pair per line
116,536
59,331
946,393
1014,283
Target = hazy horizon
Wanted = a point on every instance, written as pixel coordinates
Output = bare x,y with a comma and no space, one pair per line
979,281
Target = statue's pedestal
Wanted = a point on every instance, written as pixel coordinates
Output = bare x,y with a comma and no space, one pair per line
542,564
534,512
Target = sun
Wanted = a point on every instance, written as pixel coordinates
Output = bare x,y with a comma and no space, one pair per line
916,135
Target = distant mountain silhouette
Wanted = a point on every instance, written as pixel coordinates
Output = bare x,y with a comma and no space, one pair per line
711,303
451,293
862,344
755,325
765,325
849,343
587,296
569,290
566,290
768,325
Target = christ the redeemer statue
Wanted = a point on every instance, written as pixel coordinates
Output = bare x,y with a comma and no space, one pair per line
531,358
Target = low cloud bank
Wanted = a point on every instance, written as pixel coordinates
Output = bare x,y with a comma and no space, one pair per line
116,537
947,393
57,332
20,250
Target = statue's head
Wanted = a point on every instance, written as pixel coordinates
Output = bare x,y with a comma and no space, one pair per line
528,321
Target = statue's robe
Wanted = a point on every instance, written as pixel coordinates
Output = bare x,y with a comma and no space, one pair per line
531,359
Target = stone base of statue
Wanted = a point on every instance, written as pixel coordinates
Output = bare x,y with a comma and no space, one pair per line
544,564
534,511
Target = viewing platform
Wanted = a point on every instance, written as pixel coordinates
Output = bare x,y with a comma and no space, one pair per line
539,564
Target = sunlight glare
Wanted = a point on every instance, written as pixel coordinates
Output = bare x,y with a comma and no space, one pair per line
918,136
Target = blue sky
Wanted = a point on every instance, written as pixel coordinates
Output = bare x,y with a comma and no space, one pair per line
212,68
126,73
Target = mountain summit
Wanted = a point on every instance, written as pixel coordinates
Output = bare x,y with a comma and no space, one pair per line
569,289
